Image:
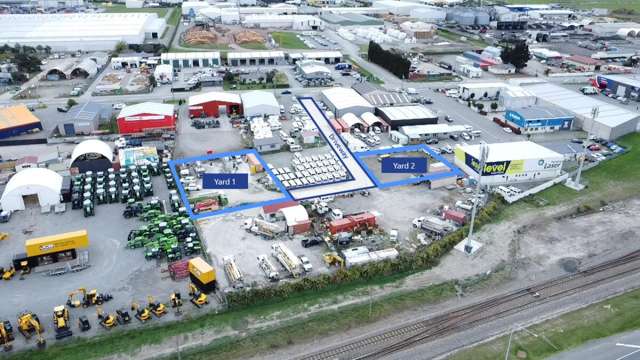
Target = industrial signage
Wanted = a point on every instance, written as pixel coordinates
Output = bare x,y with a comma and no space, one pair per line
495,167
225,181
411,165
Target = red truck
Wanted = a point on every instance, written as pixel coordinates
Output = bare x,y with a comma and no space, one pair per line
206,205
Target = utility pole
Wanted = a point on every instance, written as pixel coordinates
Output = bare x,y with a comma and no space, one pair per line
484,154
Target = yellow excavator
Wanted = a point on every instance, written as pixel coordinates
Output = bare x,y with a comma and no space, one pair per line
176,301
142,313
332,258
106,320
4,236
6,335
84,298
198,298
157,308
61,322
8,273
28,325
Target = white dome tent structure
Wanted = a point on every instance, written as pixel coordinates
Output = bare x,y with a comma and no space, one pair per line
40,183
92,155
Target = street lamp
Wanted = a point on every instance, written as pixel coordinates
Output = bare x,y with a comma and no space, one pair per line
484,154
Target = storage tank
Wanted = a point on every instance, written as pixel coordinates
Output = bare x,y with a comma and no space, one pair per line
465,18
482,19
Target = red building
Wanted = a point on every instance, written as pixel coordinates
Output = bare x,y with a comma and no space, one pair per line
211,104
352,222
145,116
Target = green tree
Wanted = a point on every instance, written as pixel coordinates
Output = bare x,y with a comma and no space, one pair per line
27,63
516,54
228,76
71,103
120,47
480,106
19,77
47,49
152,81
494,106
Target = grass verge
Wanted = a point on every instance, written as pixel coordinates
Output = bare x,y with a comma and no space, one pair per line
288,40
364,72
568,331
456,38
174,18
254,45
121,8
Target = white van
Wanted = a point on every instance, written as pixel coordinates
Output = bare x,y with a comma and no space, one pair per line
281,109
295,148
475,133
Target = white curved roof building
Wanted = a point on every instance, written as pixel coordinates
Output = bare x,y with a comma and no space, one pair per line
345,100
256,103
94,155
45,184
353,121
85,31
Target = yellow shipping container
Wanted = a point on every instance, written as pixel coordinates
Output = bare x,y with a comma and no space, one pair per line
55,243
201,270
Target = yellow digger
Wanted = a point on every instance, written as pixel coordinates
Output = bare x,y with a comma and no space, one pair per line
198,298
28,325
332,258
8,273
84,298
106,320
61,322
176,301
142,313
157,308
4,236
6,335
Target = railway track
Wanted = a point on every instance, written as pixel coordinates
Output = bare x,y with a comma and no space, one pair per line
403,337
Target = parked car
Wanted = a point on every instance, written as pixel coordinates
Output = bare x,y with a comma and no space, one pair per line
447,118
577,141
310,242
286,92
465,136
594,147
507,130
454,137
118,106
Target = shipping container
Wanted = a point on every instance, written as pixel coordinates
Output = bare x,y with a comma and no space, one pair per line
255,166
457,217
202,274
352,222
56,243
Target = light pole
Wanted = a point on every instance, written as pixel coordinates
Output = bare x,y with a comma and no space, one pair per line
484,154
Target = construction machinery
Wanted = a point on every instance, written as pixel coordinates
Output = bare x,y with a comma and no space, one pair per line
106,320
233,272
143,314
157,308
89,298
61,322
287,258
333,259
83,323
268,268
176,301
132,210
6,335
29,325
198,298
4,236
123,316
8,273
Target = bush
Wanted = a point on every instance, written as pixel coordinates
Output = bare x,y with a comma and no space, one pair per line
422,259
71,103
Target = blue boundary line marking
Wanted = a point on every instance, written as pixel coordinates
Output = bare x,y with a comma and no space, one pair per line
455,171
183,193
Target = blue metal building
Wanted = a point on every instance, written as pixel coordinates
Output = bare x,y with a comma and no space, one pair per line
537,119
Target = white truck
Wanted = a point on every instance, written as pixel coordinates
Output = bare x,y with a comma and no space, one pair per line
287,258
262,227
268,268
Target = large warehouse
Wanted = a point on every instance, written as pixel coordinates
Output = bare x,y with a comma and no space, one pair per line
258,103
539,118
611,121
397,116
31,186
80,31
213,103
92,155
343,100
255,58
146,116
520,161
191,59
16,120
84,119
622,85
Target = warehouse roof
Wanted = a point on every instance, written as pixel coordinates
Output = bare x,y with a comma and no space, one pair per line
17,115
629,80
92,146
542,112
88,111
517,150
294,215
322,54
312,68
350,119
147,108
584,60
255,55
419,130
190,55
369,119
343,98
609,114
257,98
378,96
211,96
395,113
34,177
88,65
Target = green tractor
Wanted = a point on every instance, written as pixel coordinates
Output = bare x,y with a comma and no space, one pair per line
87,205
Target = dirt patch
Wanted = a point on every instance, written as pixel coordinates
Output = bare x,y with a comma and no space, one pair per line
199,36
248,36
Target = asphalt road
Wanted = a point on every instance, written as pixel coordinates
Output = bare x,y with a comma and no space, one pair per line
618,347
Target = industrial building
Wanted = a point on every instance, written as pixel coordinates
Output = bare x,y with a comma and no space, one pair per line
313,70
259,103
86,31
539,118
191,59
621,29
213,103
71,69
84,119
397,116
351,20
430,14
378,96
419,29
611,121
418,133
296,219
622,85
146,116
325,56
293,22
17,120
255,58
91,155
342,100
264,140
521,161
32,186
583,63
